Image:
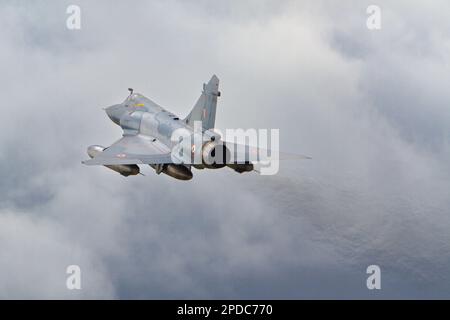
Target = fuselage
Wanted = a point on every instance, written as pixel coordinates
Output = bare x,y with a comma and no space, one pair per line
139,115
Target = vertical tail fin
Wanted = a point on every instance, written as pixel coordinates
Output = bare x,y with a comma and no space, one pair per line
205,108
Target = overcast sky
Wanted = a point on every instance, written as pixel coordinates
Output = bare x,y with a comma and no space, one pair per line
370,107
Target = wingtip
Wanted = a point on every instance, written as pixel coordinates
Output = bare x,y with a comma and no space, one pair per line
86,162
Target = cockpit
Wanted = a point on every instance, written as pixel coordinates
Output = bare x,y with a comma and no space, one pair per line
135,101
134,97
138,102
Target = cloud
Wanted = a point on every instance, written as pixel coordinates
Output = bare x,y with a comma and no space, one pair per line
35,255
369,107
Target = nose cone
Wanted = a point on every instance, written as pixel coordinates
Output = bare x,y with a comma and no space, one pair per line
115,113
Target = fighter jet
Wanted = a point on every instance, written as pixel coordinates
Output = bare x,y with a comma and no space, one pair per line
148,138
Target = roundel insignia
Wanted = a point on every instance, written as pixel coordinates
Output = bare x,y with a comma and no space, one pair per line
193,148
